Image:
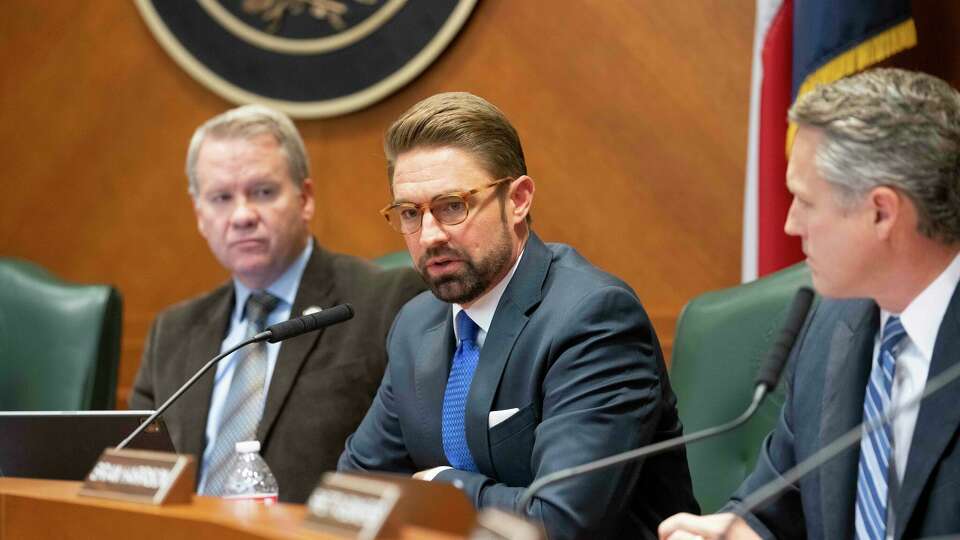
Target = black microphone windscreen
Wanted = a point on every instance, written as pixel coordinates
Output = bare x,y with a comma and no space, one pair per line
309,323
770,371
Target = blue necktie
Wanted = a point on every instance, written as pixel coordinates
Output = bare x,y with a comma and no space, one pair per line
871,513
455,397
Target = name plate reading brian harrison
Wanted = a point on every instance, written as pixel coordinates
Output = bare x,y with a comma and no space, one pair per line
141,476
350,505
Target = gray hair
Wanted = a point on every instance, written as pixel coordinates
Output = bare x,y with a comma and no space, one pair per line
247,122
895,128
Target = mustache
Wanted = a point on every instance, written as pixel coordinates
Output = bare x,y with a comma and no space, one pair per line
441,251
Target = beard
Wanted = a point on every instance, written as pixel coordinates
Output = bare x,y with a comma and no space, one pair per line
475,278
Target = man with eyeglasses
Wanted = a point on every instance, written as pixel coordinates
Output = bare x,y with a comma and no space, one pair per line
525,359
251,190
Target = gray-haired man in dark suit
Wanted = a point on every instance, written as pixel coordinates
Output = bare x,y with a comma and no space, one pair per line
253,197
875,175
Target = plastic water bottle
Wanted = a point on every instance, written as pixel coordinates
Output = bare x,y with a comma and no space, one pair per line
250,477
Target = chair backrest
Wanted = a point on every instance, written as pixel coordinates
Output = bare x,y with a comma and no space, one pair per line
59,342
721,339
397,259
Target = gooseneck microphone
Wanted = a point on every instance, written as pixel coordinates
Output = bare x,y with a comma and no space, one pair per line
307,323
273,333
775,487
767,380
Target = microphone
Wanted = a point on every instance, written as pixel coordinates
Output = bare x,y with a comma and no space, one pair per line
273,333
775,487
770,371
767,380
307,323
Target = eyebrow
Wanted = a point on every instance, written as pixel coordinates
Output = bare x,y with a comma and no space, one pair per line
435,197
460,193
265,180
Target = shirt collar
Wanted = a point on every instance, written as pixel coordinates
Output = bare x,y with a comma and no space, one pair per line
922,317
483,310
284,288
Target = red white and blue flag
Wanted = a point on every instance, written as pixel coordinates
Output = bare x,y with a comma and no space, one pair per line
797,45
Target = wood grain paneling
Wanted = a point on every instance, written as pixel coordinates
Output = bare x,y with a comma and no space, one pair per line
633,116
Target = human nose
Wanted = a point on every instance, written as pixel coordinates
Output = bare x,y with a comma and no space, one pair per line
431,231
243,214
792,226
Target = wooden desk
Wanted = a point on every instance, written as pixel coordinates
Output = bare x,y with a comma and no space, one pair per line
43,509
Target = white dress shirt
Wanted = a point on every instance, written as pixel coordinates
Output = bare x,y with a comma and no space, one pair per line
921,319
485,307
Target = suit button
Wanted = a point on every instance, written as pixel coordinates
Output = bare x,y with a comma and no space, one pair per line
458,483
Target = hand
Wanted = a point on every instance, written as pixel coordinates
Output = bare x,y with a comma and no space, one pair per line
429,474
691,527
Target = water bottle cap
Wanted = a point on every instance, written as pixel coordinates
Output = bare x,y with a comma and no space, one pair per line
244,447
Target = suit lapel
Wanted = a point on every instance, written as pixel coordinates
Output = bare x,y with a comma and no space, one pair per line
316,289
937,421
847,371
431,369
205,340
523,292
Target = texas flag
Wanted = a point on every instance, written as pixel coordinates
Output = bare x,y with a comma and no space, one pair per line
797,45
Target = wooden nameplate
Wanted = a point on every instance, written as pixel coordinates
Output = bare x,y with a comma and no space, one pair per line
141,476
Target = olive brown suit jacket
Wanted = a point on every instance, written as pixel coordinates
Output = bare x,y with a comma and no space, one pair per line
322,384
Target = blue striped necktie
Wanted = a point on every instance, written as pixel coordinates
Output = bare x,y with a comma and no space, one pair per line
875,449
455,396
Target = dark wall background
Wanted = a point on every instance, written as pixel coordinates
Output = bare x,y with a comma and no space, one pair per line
633,115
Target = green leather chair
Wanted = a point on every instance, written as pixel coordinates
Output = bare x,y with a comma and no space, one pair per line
59,342
721,339
397,259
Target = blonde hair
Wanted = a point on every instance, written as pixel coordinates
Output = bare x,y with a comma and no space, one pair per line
247,122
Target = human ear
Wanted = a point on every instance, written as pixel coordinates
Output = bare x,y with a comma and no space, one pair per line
306,199
521,197
887,206
197,212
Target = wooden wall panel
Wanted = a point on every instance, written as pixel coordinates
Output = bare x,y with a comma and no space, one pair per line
633,115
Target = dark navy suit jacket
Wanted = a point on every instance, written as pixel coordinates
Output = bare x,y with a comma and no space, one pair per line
572,348
827,379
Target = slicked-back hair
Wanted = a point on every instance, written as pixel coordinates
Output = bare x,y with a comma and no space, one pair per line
895,128
460,120
245,123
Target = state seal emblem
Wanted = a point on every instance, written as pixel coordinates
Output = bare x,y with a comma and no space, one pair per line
308,58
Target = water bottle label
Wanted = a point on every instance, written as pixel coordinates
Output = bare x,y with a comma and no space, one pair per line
264,498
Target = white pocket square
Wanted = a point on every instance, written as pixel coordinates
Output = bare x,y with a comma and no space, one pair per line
497,417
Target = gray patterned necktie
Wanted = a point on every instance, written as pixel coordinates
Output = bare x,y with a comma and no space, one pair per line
244,403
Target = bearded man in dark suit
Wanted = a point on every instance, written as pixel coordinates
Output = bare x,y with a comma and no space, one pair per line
253,197
524,358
